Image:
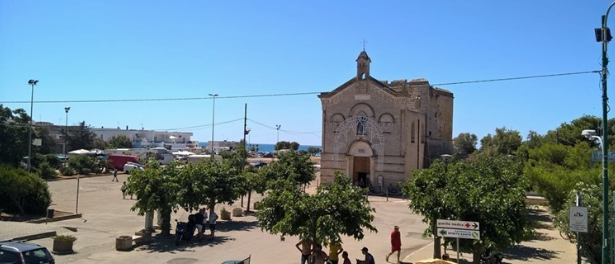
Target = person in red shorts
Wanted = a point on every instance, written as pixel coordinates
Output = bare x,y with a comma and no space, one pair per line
395,243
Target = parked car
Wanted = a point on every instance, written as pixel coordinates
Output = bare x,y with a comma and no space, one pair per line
129,166
258,164
24,253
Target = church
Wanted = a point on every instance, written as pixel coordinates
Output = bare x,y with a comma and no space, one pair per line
379,132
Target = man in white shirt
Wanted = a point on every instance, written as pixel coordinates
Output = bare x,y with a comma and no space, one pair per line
212,222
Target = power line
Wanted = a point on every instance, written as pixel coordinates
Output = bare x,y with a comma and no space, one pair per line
283,94
159,99
517,78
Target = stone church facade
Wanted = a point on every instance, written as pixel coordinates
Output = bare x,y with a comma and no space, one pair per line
379,131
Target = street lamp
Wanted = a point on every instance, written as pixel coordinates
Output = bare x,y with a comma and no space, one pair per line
213,123
33,83
66,109
603,35
277,127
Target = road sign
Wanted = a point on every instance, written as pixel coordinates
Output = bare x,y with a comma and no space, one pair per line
459,233
465,225
578,219
597,156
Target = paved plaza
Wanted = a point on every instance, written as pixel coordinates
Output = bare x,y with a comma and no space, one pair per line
106,216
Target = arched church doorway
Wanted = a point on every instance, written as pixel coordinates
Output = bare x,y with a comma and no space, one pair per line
361,171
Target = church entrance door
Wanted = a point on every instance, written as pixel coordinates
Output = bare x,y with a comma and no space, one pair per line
361,170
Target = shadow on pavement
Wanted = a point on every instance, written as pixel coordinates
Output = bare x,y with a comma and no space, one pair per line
525,253
236,226
167,244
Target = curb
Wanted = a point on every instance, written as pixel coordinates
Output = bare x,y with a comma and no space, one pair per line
35,236
55,219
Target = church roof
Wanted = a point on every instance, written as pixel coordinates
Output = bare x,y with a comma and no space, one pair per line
378,83
363,54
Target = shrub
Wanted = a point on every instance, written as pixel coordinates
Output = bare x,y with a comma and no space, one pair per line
23,192
53,161
67,171
67,238
82,163
45,171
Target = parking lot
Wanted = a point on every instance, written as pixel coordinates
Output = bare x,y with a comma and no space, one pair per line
106,216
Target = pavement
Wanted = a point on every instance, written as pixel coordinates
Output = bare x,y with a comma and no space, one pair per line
104,216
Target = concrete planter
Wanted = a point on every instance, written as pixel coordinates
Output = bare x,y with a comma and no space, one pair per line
123,243
237,212
63,244
225,215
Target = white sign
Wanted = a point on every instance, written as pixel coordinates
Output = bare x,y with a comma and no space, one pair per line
459,233
578,219
467,225
37,142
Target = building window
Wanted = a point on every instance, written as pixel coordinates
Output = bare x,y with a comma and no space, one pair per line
412,132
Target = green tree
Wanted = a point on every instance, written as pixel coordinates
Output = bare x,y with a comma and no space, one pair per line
291,165
313,150
48,143
209,182
13,135
335,209
287,145
119,141
83,164
80,137
591,197
504,142
554,170
493,194
156,188
465,143
256,181
23,192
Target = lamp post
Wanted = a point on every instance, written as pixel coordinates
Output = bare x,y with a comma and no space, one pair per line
31,82
213,123
603,35
66,109
277,127
591,135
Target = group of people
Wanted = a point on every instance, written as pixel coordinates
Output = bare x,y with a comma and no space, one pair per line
313,254
201,221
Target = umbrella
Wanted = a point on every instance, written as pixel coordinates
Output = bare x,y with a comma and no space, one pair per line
79,152
183,153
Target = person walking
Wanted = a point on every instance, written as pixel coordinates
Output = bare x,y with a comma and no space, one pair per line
305,249
369,259
213,217
395,243
115,175
345,257
335,248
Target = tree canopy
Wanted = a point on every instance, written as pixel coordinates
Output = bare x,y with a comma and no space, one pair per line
13,135
339,208
119,141
488,190
79,137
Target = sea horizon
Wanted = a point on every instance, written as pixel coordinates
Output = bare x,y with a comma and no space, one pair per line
265,147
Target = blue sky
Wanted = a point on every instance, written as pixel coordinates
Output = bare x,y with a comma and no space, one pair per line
125,50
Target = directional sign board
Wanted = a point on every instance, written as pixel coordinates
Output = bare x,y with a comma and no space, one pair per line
578,219
458,229
466,225
459,233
